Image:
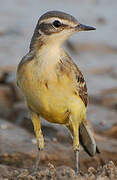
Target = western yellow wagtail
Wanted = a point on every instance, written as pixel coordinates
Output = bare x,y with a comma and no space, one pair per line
53,86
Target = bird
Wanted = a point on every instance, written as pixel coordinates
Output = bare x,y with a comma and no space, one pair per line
53,86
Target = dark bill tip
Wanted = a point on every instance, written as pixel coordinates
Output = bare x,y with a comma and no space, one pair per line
82,27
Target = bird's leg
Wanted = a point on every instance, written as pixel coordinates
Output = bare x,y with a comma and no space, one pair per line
76,147
74,129
76,156
36,165
39,137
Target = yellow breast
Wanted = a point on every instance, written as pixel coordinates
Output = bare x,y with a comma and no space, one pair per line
43,93
48,94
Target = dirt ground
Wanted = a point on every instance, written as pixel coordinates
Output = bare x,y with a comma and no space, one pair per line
18,154
108,171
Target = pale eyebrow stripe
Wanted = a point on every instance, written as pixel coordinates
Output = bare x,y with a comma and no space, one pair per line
63,21
50,20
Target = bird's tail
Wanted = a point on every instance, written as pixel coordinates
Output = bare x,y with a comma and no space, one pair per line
87,140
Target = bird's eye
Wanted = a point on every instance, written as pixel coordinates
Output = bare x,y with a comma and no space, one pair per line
56,23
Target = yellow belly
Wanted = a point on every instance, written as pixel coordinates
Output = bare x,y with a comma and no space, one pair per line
50,98
49,104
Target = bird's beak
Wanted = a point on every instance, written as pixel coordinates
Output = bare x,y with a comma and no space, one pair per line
82,27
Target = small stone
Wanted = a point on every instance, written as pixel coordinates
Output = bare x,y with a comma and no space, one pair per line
91,170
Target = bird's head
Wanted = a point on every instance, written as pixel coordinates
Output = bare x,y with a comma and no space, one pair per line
56,27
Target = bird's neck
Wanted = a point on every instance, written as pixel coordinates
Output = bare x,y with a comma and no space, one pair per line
47,50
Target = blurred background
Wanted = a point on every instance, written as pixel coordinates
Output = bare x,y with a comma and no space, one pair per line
94,52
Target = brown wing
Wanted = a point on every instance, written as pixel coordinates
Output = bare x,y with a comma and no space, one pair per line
67,66
26,59
82,88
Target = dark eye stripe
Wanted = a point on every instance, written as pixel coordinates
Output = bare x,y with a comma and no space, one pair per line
48,28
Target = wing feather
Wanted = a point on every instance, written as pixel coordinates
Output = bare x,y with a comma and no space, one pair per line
67,66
